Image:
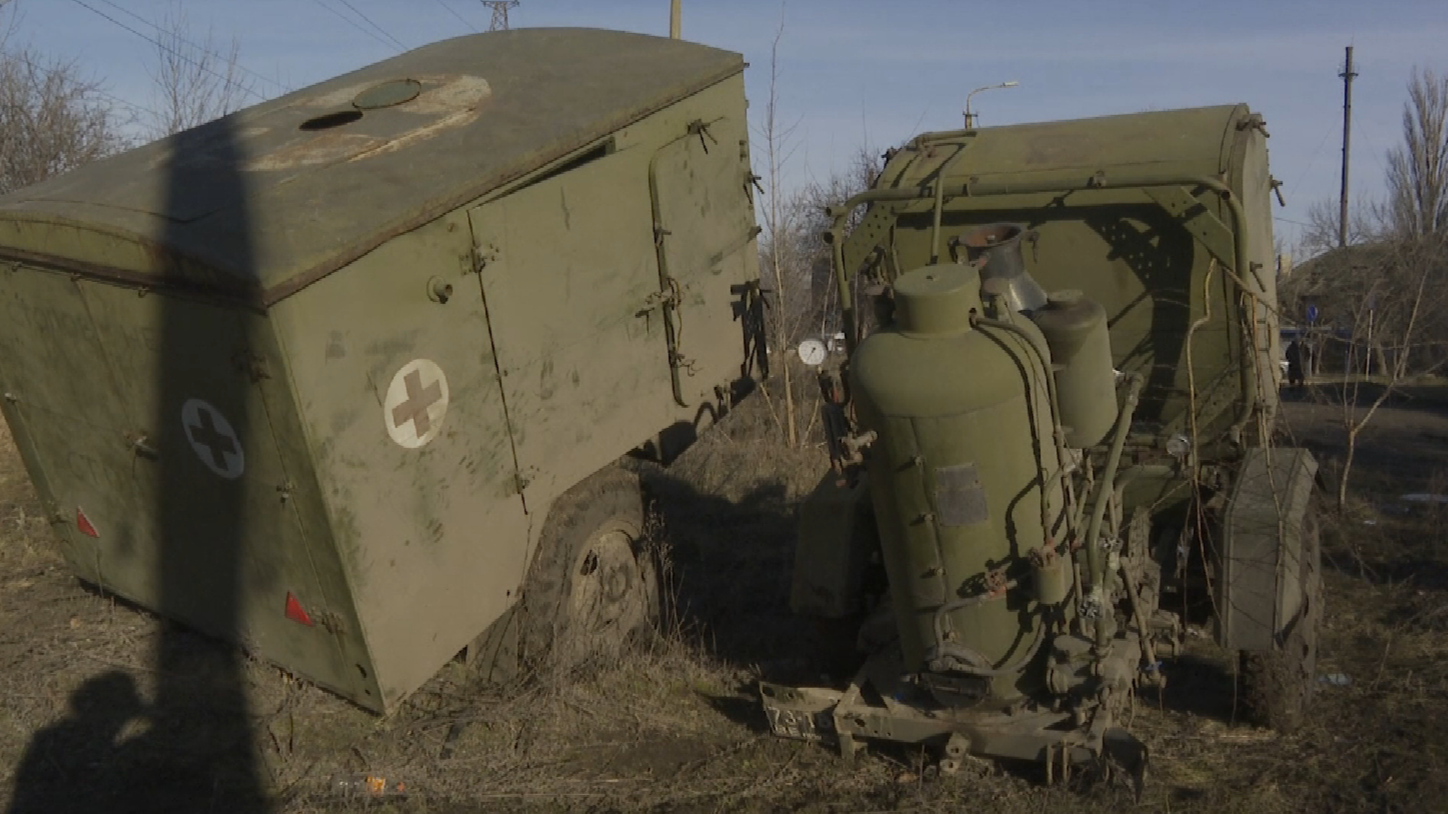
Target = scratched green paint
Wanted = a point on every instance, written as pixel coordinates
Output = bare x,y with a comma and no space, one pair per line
498,228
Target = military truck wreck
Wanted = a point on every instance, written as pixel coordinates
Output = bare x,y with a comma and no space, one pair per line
341,376
1053,442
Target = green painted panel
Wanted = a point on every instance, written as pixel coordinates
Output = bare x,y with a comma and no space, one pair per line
1122,217
399,399
702,187
570,280
145,418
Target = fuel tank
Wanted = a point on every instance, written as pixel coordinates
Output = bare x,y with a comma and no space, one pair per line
1075,330
958,477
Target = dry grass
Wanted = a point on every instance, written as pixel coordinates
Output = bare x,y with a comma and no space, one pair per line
676,725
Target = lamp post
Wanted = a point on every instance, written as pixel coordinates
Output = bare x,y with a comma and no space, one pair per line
970,117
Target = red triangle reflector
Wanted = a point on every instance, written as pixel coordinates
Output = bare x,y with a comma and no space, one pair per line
84,524
295,611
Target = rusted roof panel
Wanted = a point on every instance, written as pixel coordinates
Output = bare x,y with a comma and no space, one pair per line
326,176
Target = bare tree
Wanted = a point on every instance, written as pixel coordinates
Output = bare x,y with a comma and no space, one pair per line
1376,304
51,119
1320,235
1392,328
1379,297
795,261
858,175
1417,203
195,81
779,248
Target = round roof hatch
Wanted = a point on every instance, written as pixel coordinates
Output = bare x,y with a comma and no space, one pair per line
388,94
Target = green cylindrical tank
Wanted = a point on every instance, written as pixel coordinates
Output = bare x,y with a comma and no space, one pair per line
964,445
1075,329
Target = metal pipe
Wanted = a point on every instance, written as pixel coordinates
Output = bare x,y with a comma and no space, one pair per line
1094,563
666,309
970,117
842,285
1060,182
976,664
1131,593
1144,470
1057,434
1136,611
940,204
938,619
935,217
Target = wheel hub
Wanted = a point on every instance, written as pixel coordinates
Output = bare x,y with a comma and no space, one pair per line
605,583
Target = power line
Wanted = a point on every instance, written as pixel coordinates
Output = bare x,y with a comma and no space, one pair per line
177,34
384,31
460,17
359,27
1310,162
91,91
172,51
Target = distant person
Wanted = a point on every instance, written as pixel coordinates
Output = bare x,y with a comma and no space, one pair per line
1295,354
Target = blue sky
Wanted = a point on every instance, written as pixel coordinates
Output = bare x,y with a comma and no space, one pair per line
854,72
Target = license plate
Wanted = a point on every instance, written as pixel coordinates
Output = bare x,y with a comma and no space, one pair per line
801,713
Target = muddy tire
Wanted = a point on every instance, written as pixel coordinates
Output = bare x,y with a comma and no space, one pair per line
1275,686
593,588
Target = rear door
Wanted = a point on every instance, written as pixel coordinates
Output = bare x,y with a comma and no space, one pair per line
700,185
567,267
67,415
149,439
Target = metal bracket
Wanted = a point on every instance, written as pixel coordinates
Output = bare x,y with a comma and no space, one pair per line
863,239
1193,214
660,299
700,128
482,256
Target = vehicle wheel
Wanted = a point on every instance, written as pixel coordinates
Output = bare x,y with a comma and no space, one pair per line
1276,686
593,587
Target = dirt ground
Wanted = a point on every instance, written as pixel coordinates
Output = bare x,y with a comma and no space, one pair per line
677,726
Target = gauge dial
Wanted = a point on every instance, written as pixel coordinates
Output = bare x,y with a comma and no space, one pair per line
812,352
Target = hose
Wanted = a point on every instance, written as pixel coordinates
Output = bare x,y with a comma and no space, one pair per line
974,663
938,621
1103,494
1056,434
1067,181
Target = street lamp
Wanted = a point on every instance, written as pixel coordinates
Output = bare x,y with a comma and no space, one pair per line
970,117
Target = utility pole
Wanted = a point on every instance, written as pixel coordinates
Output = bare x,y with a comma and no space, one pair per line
500,13
675,25
1347,75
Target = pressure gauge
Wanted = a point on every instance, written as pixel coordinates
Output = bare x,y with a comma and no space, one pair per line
1178,446
812,352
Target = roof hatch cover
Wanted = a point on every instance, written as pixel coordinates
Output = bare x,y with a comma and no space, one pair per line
388,94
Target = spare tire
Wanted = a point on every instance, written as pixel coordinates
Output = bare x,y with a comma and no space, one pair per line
1275,686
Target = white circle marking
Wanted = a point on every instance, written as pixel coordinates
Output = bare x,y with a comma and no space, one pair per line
416,403
212,438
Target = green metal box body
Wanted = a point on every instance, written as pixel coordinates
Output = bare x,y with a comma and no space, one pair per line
310,377
1162,217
